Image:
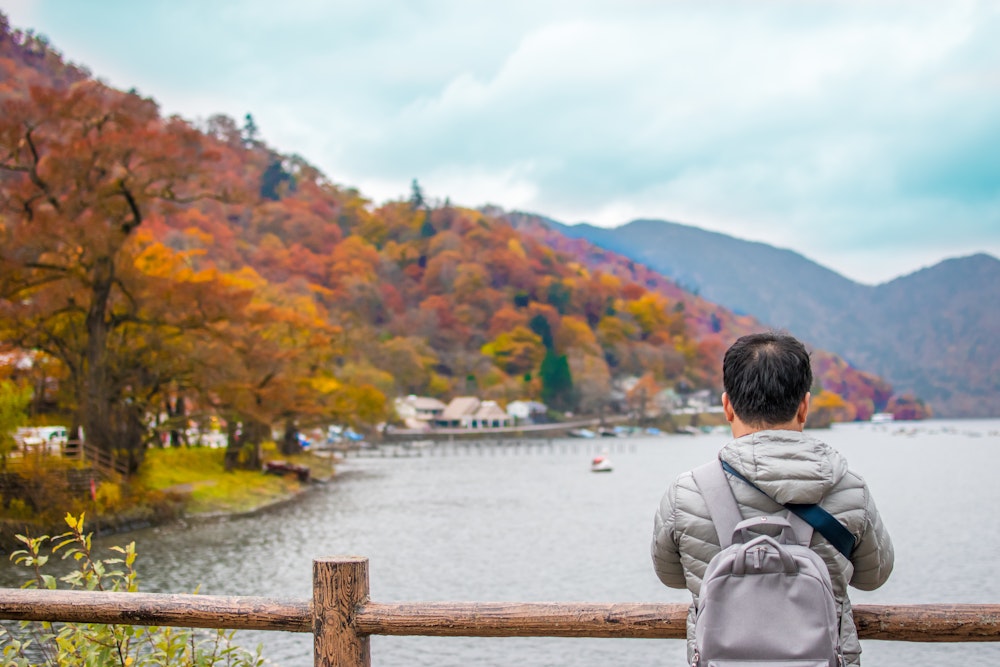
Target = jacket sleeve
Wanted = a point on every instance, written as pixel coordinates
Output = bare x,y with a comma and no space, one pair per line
666,555
873,556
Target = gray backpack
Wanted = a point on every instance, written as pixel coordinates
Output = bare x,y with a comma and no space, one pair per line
766,599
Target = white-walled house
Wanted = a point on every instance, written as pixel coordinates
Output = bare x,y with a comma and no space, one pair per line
527,412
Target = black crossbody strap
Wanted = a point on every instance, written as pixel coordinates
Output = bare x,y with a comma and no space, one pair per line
817,517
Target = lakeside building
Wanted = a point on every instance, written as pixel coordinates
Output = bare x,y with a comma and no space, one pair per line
419,412
470,412
528,412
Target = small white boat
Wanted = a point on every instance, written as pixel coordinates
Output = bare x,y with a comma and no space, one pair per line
883,418
601,463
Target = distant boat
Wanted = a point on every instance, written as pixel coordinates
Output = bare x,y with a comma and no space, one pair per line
883,418
601,463
582,433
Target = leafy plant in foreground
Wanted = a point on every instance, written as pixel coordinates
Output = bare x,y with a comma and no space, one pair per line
97,645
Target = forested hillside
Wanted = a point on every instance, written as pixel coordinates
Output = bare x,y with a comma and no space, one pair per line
841,387
154,266
931,333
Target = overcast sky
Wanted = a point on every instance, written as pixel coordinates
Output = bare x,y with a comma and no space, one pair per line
864,135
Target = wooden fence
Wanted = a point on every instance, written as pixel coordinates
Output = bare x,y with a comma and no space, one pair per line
341,617
104,462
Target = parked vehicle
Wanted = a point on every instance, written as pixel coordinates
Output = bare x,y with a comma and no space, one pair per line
49,438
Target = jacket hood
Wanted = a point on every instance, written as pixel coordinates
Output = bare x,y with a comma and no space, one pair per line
789,466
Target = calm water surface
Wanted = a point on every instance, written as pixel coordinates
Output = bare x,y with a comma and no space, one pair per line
491,523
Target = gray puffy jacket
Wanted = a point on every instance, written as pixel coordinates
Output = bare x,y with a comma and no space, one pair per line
790,467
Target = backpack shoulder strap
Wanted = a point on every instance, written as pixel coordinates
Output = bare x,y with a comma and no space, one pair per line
822,521
725,511
722,507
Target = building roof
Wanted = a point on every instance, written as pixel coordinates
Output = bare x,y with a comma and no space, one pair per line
490,410
425,403
459,407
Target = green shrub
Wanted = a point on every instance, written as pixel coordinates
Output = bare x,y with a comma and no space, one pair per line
98,645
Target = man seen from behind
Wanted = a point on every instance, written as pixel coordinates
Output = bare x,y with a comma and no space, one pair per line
767,378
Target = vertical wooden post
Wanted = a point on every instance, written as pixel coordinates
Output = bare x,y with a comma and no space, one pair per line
340,584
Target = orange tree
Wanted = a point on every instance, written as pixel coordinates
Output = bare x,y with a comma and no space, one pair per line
82,168
273,362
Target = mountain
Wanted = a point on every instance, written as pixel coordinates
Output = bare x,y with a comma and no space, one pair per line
932,333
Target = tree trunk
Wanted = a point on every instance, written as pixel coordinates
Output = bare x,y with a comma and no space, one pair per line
290,442
112,424
244,449
253,453
234,441
96,401
177,412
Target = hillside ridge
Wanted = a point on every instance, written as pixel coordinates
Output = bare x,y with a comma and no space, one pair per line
929,332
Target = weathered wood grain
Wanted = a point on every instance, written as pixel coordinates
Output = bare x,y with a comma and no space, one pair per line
178,610
340,588
519,619
929,622
342,618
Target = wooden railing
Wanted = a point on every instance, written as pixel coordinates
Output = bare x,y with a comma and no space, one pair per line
104,462
341,617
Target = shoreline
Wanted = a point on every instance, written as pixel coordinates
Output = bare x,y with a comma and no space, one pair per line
549,430
170,511
320,475
268,505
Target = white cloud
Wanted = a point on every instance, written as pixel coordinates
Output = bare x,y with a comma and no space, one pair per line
809,125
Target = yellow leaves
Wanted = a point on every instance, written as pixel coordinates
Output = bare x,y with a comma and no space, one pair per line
324,385
516,248
362,404
157,260
827,407
686,346
516,352
246,278
358,375
827,400
609,282
649,312
438,385
612,330
574,332
74,523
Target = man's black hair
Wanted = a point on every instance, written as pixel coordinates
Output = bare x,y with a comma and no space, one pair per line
766,376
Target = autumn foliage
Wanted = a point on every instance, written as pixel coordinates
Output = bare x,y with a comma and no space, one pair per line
171,270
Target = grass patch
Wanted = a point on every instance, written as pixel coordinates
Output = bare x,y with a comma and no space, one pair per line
198,473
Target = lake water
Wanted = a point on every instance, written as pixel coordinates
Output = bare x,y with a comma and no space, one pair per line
488,523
